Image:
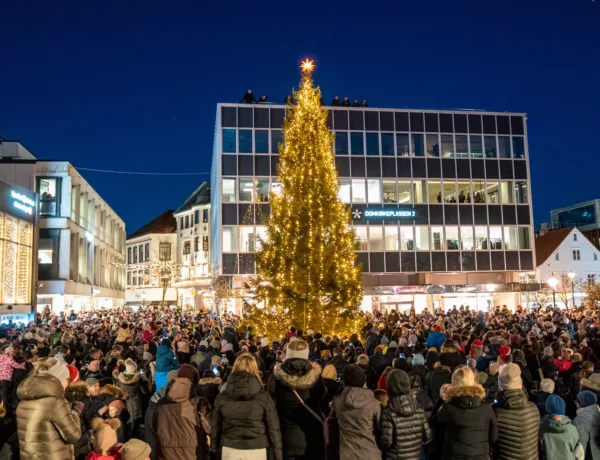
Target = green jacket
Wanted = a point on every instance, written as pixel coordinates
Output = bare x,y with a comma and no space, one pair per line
559,438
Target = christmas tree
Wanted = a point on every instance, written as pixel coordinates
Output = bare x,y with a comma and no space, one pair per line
306,276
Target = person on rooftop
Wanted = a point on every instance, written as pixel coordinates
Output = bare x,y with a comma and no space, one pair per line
248,98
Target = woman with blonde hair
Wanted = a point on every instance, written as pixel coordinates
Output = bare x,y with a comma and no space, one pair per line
244,419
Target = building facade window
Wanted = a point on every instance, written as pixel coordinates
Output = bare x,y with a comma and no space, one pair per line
196,244
197,216
574,236
205,216
135,255
48,254
49,190
557,256
576,254
164,252
187,221
147,251
187,247
205,243
129,257
591,278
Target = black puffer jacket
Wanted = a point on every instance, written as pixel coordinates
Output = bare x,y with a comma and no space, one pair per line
244,417
518,426
134,388
403,429
436,380
467,424
208,388
301,433
340,364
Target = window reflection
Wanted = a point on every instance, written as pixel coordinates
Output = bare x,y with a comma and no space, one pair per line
262,189
462,146
476,147
360,233
402,145
447,146
490,147
418,148
344,193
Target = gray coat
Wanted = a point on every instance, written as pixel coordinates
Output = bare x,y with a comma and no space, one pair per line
587,423
357,413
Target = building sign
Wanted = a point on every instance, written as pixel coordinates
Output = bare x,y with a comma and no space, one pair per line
384,213
22,202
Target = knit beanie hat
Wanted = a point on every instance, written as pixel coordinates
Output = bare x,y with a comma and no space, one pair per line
73,374
392,344
503,352
91,382
297,349
105,435
587,398
398,382
189,372
418,360
130,366
135,450
509,377
59,370
354,376
555,405
329,372
384,341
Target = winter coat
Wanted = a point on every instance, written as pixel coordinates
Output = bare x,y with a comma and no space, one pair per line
357,413
301,433
539,399
432,358
134,387
166,361
334,388
587,423
178,425
244,417
559,438
47,428
340,364
377,364
208,388
371,342
78,392
231,337
436,380
436,339
421,371
469,424
404,429
518,426
150,435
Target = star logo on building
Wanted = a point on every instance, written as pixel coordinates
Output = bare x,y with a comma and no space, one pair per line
356,214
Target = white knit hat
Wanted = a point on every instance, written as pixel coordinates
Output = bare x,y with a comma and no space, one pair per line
264,342
130,366
297,349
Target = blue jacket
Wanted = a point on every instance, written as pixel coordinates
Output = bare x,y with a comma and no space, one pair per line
436,339
166,361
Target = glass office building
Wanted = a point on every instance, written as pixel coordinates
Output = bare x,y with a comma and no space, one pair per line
440,200
584,216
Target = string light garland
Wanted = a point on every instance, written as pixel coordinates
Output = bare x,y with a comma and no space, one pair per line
306,273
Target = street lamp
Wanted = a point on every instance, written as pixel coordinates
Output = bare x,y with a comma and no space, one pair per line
571,276
553,283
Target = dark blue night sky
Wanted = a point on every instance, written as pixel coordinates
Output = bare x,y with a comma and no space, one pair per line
133,85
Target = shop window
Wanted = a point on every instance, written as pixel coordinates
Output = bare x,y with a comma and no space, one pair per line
49,188
433,145
247,239
466,238
262,189
164,252
344,191
375,239
360,233
407,239
420,191
391,238
228,190
481,238
246,191
422,238
437,238
358,191
447,146
491,150
229,239
496,237
476,147
187,247
452,241
435,192
418,147
510,238
374,190
402,145
228,141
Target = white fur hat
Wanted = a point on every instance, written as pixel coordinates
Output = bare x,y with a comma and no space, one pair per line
130,366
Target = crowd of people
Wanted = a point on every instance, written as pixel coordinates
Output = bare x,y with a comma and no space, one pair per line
171,385
249,98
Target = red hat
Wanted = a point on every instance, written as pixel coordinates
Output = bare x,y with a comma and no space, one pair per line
476,343
503,352
437,328
73,374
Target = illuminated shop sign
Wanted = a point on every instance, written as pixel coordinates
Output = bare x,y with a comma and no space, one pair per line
389,213
22,202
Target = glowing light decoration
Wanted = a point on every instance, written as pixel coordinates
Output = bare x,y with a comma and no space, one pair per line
22,202
16,238
307,66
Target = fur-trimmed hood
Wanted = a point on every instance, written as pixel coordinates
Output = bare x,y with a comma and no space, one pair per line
77,391
297,373
449,349
590,385
465,397
129,379
112,392
210,381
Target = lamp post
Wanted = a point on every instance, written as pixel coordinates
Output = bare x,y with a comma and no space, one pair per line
571,276
553,283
